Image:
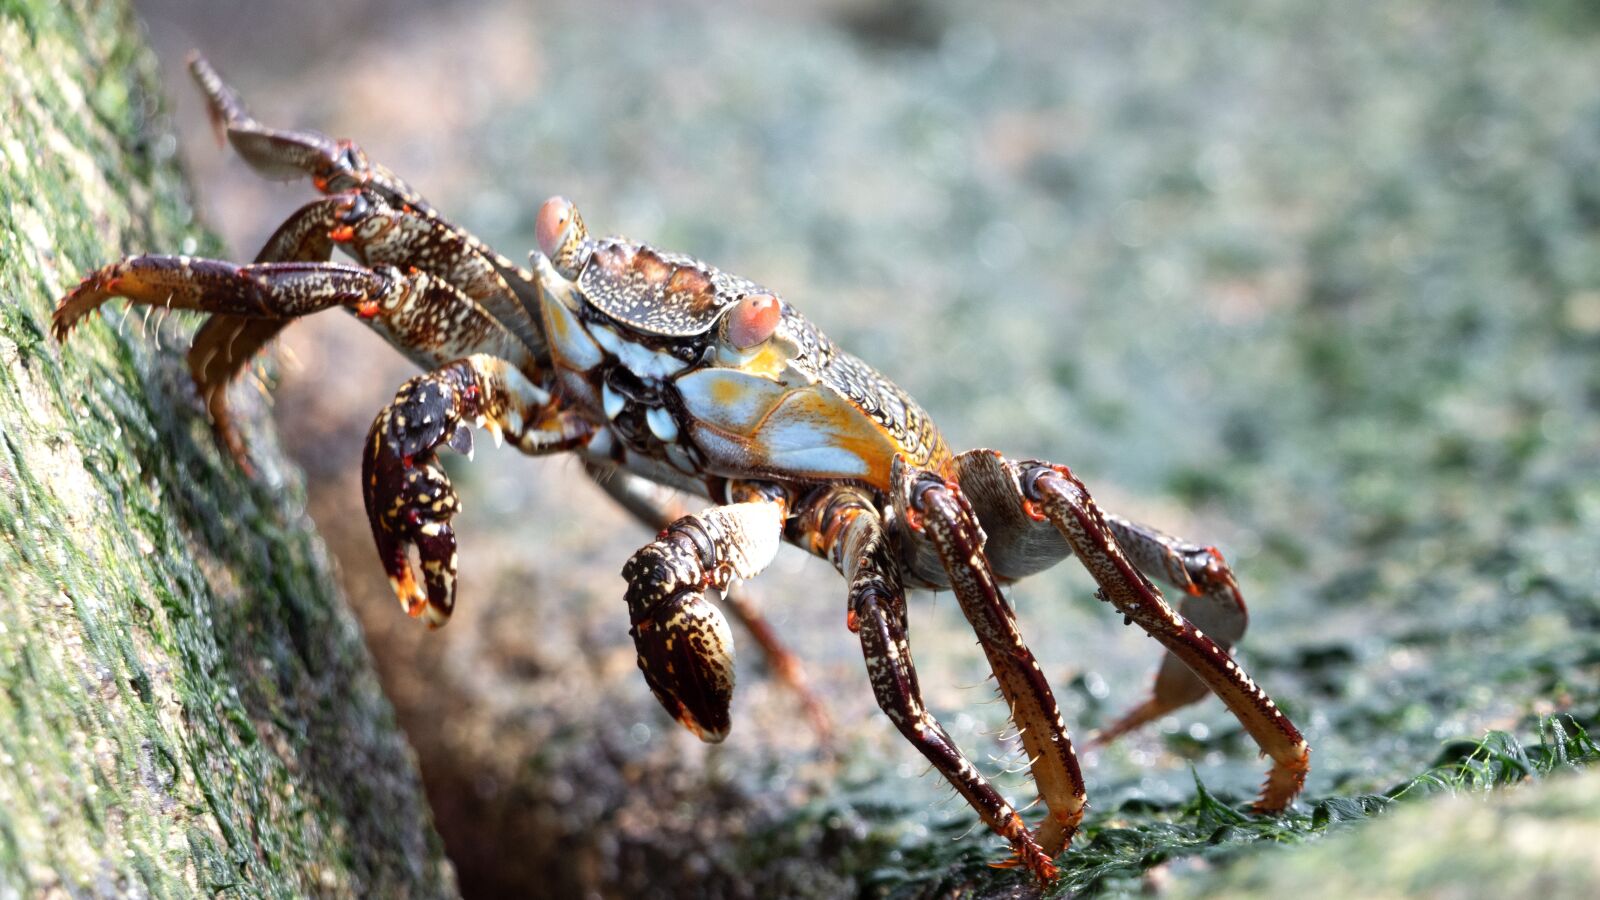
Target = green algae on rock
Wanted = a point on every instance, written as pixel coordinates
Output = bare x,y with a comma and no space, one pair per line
185,705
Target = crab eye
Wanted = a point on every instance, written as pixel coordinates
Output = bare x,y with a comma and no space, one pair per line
753,320
555,217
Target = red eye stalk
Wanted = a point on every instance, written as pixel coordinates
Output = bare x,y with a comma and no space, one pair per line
555,217
753,320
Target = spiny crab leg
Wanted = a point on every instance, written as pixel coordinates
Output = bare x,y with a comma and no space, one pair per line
377,232
224,345
425,317
221,351
373,214
936,507
651,505
685,647
409,498
1062,498
1212,601
283,155
261,290
846,527
336,166
377,235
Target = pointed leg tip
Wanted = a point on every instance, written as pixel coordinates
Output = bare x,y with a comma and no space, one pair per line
1035,861
1284,782
1060,827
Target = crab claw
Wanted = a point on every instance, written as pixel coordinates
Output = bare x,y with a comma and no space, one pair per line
684,643
685,652
410,500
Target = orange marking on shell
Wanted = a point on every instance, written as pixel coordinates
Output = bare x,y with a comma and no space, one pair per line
846,428
611,258
688,279
851,622
728,392
367,309
689,288
344,234
852,431
652,267
753,320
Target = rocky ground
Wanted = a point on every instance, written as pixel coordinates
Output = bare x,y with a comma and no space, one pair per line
1317,284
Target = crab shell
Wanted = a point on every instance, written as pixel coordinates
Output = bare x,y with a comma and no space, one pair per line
697,371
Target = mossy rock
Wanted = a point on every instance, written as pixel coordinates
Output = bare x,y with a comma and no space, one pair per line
185,704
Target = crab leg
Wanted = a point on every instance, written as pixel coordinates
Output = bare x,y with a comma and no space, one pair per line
848,530
424,317
936,507
376,234
1212,602
341,165
1061,497
650,504
282,155
222,349
685,647
408,496
224,345
261,290
373,214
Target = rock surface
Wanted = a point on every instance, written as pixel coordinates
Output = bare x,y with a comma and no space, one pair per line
186,707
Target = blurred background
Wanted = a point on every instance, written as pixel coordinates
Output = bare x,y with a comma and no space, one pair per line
1318,284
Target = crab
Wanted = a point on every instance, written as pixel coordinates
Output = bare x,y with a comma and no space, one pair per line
670,377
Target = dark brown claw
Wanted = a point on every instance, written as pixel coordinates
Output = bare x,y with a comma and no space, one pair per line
657,508
685,647
690,660
409,498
